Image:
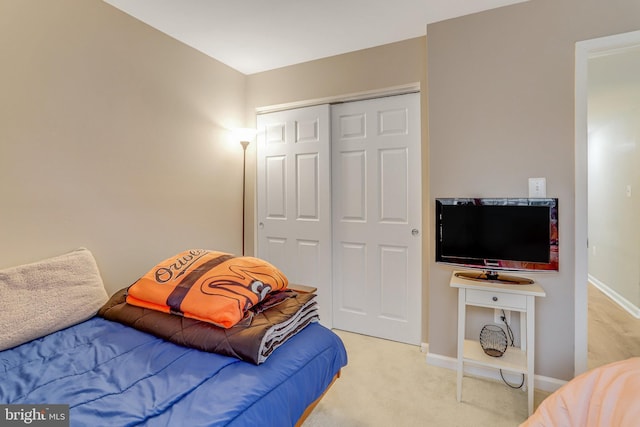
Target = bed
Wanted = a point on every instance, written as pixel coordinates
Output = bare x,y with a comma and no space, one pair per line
106,370
601,397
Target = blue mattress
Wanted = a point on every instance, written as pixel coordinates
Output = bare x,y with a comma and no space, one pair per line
106,371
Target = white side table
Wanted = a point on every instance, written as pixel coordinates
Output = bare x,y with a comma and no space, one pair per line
495,295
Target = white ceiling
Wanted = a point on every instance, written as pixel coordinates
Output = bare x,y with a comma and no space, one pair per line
258,35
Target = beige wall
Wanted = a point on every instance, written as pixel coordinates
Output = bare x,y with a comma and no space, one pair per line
113,137
501,99
369,70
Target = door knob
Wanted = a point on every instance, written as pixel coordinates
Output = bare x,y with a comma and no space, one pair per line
415,232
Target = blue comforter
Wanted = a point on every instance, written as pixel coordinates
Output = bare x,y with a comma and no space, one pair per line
111,374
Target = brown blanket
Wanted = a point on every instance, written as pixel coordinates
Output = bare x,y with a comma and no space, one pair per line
269,324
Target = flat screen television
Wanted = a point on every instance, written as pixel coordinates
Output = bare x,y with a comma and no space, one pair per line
494,234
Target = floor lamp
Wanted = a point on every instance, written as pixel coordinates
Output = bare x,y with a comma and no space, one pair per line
244,144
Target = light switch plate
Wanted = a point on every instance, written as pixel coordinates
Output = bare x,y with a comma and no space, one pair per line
537,187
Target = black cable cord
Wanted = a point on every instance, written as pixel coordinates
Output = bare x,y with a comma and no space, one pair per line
510,334
511,385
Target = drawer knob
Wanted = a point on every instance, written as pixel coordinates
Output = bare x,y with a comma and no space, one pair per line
495,299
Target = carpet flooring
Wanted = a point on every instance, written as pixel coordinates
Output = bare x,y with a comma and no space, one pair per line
387,383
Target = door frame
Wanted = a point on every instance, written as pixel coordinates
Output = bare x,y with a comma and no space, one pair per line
411,87
355,96
583,50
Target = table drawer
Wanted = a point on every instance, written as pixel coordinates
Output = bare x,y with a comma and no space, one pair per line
496,299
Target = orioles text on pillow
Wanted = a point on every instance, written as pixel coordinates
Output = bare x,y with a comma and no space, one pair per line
211,286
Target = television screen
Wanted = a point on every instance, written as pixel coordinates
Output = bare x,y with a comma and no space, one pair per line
498,234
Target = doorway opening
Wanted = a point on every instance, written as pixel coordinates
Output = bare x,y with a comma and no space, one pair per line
584,51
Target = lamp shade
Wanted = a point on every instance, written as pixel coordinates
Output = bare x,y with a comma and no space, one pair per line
244,135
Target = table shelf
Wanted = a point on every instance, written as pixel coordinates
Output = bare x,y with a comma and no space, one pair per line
513,359
492,295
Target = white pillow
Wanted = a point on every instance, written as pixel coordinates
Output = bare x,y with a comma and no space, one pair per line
48,295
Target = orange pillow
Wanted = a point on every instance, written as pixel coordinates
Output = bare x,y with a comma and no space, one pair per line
211,286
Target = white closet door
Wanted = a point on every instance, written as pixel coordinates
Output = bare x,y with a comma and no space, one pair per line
294,198
376,197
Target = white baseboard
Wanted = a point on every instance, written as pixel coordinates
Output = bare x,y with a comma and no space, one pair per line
627,305
540,382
